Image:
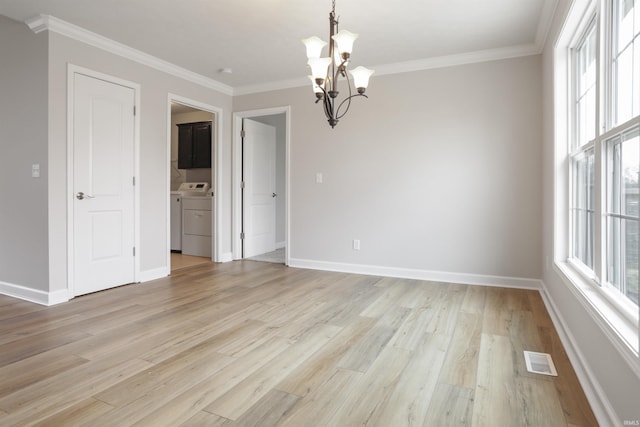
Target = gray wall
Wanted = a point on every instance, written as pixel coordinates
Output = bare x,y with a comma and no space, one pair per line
608,369
23,142
438,170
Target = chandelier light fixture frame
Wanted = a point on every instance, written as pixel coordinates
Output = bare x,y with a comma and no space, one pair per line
327,70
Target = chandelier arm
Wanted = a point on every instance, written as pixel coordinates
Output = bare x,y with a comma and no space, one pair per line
338,115
328,107
348,100
348,105
327,103
341,70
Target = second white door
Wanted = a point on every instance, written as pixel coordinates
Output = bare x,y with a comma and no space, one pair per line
259,193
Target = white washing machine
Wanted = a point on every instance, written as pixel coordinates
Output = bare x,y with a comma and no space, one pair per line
185,189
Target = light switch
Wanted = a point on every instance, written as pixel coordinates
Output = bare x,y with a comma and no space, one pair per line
35,170
319,178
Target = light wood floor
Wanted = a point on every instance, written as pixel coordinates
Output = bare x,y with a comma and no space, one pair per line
258,344
180,261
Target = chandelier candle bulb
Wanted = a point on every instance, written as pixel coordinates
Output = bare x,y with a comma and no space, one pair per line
319,68
344,39
361,78
314,46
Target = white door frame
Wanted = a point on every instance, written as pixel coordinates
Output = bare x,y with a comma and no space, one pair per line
71,71
236,178
216,152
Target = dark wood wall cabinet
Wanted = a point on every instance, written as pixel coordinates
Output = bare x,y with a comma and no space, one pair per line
194,145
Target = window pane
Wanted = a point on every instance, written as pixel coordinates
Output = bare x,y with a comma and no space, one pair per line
585,100
590,132
624,23
636,20
623,246
624,83
583,209
623,257
636,74
626,61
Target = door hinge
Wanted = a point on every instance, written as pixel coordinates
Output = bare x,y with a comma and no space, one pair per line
134,181
242,133
134,251
242,184
241,236
134,110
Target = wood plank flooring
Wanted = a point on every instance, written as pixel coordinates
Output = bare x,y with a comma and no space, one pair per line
179,261
256,344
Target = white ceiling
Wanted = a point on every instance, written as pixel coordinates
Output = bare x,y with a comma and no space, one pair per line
260,39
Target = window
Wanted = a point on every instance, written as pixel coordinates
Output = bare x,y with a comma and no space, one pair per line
602,137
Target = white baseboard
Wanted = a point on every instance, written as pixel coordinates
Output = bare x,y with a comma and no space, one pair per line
157,273
34,295
602,409
226,257
58,297
408,273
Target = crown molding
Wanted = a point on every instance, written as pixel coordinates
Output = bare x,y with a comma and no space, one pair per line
458,59
544,23
411,66
41,23
38,23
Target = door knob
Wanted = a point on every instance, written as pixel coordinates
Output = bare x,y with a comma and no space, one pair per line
273,195
80,196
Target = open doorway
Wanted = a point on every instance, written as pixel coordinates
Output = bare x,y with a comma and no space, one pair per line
192,184
252,218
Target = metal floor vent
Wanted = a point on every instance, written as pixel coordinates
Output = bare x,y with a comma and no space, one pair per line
540,363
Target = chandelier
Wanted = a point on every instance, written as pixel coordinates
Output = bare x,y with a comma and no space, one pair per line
326,71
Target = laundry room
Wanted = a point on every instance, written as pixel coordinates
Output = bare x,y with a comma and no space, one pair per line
191,185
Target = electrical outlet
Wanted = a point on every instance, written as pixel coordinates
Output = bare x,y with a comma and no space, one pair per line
356,244
319,178
35,170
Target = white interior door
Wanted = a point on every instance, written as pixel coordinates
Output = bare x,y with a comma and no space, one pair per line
259,193
103,192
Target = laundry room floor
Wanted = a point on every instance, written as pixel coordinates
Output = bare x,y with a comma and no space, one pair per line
179,261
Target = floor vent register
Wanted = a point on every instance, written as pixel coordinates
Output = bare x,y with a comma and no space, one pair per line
540,363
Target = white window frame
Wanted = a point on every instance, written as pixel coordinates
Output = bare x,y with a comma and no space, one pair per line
619,320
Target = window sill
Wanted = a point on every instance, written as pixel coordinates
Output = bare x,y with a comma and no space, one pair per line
619,328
